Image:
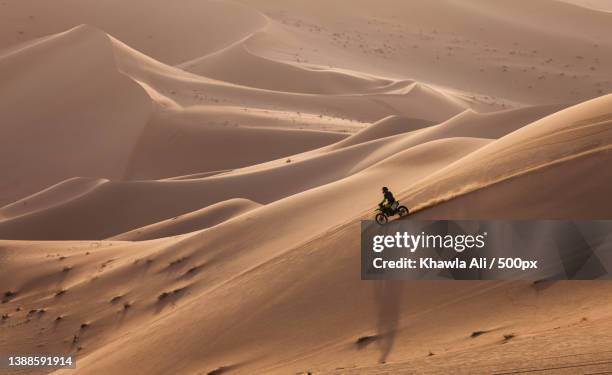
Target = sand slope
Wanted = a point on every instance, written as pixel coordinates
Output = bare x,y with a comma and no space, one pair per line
197,220
205,275
578,133
340,321
256,71
177,199
126,206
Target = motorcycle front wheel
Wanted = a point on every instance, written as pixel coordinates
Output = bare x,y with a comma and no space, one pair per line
381,219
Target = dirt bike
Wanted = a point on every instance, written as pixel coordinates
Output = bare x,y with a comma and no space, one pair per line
384,212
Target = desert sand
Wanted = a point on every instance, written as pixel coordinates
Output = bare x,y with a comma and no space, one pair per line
182,185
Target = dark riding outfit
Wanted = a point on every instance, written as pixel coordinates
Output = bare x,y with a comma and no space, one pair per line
388,196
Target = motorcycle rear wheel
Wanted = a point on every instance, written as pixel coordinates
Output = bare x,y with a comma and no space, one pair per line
381,219
403,211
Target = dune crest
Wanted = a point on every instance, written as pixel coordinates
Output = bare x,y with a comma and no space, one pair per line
190,222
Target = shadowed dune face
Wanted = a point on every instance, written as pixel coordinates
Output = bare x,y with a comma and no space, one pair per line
256,71
181,185
172,137
168,34
54,105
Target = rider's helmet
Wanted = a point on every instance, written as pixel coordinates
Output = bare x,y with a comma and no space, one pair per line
385,189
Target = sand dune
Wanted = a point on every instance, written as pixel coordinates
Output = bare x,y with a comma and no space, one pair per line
470,51
579,132
183,182
466,124
111,141
127,205
163,99
55,129
255,71
111,203
52,196
386,127
354,315
511,52
258,255
238,65
323,109
531,194
210,250
173,144
176,88
163,36
197,220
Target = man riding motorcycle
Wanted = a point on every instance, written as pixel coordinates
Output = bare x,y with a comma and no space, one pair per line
389,198
391,208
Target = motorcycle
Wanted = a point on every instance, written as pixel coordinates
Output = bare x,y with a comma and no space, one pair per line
384,212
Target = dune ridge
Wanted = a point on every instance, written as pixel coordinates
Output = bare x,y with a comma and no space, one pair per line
572,133
190,222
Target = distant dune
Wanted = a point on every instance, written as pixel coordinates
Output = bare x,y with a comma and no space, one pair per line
183,182
197,220
601,5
